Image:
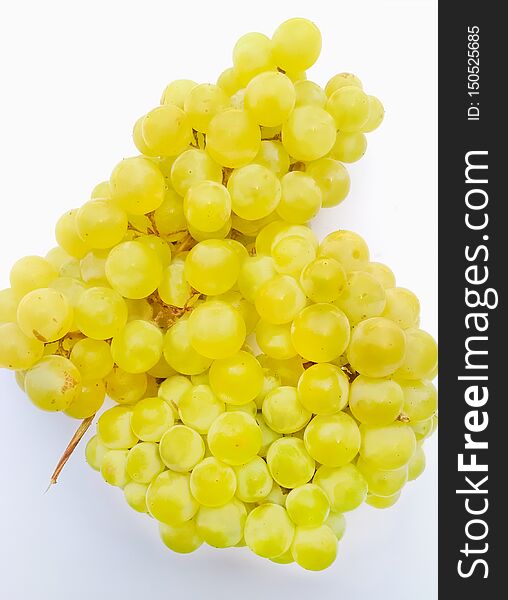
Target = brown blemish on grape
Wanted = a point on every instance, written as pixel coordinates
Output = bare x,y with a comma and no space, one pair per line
69,383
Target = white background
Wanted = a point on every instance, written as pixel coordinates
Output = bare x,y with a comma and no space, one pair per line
75,77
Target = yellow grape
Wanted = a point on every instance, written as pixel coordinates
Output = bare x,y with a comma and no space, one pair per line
375,401
296,44
94,452
376,114
212,267
275,340
332,440
268,530
389,447
125,388
101,313
114,428
234,438
320,333
237,379
151,418
342,80
159,246
323,280
314,548
45,314
101,224
228,81
212,482
345,487
254,481
337,523
137,186
333,179
176,92
138,347
416,465
199,407
323,389
308,92
169,498
382,273
382,483
349,106
289,462
402,307
270,98
362,298
279,300
349,147
144,462
192,167
421,355
382,501
89,400
273,156
182,538
292,253
309,133
169,218
101,191
254,272
8,306
301,198
252,54
113,468
283,412
173,288
233,138
134,270
135,496
347,248
254,190
31,273
53,383
308,505
167,130
420,400
180,352
181,448
222,526
67,236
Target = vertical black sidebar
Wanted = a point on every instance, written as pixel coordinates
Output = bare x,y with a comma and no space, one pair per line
473,330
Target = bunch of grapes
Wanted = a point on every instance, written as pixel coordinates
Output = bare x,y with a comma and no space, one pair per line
265,383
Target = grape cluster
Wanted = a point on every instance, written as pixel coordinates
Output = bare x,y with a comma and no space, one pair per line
265,383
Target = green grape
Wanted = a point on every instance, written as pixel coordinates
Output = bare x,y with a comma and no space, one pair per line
93,268
255,191
349,106
252,54
382,273
420,400
176,92
179,352
88,402
287,371
101,224
233,138
202,103
268,435
135,496
169,498
67,236
139,140
174,289
289,462
337,523
382,501
268,530
169,218
181,448
276,496
377,347
291,254
138,347
314,548
134,270
216,330
296,44
222,526
31,273
253,480
234,438
332,440
309,93
94,452
237,379
53,383
307,505
159,246
323,280
362,298
238,248
228,81
270,98
416,465
244,307
193,167
279,300
382,483
151,418
323,389
199,407
402,307
101,191
295,230
182,538
345,487
8,306
173,389
220,234
137,186
275,340
309,133
254,272
347,248
349,147
212,482
301,198
376,114
266,235
207,206
421,355
320,333
342,80
212,267
45,314
273,156
332,178
114,468
125,388
114,428
101,313
375,402
17,351
167,130
423,429
283,412
144,462
389,447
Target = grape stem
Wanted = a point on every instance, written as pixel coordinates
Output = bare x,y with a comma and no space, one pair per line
71,446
